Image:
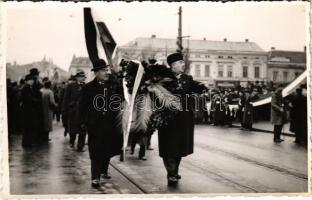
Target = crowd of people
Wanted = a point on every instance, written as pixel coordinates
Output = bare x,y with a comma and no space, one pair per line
223,106
34,103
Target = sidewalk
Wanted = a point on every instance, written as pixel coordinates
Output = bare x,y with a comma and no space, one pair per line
266,126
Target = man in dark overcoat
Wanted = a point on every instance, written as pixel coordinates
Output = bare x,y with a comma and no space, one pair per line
98,109
176,139
62,93
39,135
247,112
277,111
299,116
70,109
219,109
29,109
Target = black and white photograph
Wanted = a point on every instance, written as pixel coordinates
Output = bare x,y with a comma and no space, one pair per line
137,99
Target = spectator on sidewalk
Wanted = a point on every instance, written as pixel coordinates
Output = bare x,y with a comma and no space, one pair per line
277,110
299,116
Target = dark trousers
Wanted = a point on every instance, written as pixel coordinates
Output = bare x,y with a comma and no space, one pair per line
45,137
57,115
137,139
99,167
81,140
172,166
277,131
148,142
28,137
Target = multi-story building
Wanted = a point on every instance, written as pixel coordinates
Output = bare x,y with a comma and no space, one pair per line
81,64
285,66
221,63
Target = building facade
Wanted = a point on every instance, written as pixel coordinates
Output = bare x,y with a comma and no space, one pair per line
47,68
215,63
285,66
81,64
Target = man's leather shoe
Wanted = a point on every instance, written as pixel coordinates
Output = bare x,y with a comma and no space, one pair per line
80,150
178,176
143,158
106,176
278,140
172,181
95,183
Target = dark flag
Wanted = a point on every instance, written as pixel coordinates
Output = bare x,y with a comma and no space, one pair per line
92,31
107,40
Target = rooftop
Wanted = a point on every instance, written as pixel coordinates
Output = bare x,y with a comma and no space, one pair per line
80,62
287,56
166,43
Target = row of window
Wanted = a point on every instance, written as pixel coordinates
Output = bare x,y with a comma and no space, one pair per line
229,71
285,75
221,57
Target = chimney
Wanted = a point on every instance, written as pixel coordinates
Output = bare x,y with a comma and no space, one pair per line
153,36
246,40
204,39
272,48
14,63
224,39
305,48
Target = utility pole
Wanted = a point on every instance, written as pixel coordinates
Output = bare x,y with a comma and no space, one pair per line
179,39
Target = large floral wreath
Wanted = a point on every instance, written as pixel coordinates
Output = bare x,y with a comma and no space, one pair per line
155,102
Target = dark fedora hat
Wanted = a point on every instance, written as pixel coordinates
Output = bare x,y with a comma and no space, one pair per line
29,77
99,64
174,57
80,74
34,71
72,78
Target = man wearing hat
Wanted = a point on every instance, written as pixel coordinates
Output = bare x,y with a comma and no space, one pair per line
98,109
39,134
71,80
277,111
70,109
30,102
175,141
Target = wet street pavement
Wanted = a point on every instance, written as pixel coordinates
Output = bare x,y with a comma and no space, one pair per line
226,160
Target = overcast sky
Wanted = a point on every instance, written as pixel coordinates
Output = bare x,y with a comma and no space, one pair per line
56,30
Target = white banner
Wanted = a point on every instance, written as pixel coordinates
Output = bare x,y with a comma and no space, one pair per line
286,91
130,103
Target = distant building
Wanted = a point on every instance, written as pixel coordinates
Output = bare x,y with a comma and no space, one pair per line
81,64
285,66
221,63
46,67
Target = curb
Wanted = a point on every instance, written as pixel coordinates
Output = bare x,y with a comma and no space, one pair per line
266,131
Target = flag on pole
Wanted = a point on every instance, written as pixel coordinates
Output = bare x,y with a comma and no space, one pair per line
107,40
95,30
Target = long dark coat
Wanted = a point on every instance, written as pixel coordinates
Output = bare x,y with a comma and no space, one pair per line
276,114
105,136
219,108
299,114
70,106
248,112
177,138
31,107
